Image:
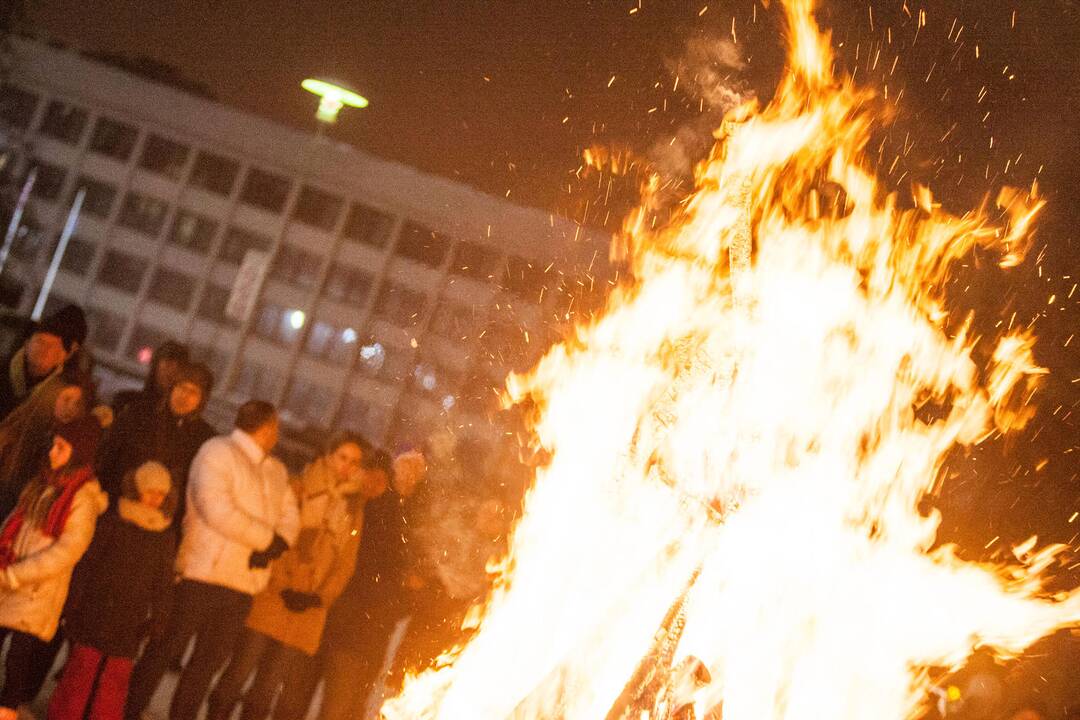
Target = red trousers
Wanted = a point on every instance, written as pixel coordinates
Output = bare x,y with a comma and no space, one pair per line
93,686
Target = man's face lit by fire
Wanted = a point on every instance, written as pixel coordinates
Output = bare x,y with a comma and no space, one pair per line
185,398
44,352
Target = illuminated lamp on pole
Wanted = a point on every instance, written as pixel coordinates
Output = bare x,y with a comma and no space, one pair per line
332,97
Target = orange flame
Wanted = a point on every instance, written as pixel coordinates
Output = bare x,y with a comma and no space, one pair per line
730,514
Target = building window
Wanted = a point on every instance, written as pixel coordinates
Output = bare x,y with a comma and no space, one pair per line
296,267
214,173
113,138
237,243
471,260
348,285
143,341
278,324
105,330
99,196
192,232
78,256
122,271
256,382
265,190
368,226
310,402
212,305
17,106
400,305
523,278
331,343
432,377
28,238
422,245
64,122
362,416
143,213
425,377
317,208
451,320
214,358
164,157
377,359
49,181
171,288
505,339
372,357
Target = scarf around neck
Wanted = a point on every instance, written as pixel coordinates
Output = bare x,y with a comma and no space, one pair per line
67,483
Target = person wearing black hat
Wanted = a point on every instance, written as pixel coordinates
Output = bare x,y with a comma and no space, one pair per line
169,430
160,377
53,341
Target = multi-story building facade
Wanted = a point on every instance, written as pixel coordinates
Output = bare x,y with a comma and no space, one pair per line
393,297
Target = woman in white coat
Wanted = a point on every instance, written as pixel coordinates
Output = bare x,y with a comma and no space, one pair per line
40,543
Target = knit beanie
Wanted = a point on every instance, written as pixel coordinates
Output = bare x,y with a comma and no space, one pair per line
83,435
68,323
196,374
152,476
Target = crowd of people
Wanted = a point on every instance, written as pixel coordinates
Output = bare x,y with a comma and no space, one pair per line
139,542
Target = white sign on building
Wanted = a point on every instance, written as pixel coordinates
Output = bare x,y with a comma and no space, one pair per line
249,280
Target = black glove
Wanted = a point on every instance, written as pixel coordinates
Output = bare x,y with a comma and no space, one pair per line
297,601
276,547
261,558
258,559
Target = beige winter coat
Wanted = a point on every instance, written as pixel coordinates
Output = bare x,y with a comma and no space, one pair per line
322,562
35,587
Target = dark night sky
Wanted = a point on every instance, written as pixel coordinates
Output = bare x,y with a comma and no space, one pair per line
505,95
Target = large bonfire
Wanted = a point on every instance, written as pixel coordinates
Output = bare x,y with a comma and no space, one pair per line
739,449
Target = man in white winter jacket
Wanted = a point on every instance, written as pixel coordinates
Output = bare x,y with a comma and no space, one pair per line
241,515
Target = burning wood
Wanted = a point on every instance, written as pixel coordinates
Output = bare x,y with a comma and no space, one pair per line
736,457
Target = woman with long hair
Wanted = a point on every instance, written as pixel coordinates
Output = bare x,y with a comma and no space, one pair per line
40,543
27,433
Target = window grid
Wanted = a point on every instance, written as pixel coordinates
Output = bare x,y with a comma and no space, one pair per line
49,182
113,138
171,288
64,122
361,224
164,156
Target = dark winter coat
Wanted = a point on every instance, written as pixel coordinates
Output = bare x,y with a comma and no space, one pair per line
123,582
150,392
145,431
16,383
374,598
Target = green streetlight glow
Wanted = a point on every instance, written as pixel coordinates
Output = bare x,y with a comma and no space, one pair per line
332,97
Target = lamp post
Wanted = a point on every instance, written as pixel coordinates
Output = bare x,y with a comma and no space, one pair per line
332,97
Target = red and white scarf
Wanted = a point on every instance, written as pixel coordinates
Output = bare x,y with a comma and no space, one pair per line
69,482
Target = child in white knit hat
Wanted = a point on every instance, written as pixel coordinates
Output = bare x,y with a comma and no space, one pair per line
124,582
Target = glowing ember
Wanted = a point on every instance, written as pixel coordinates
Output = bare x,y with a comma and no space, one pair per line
740,445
